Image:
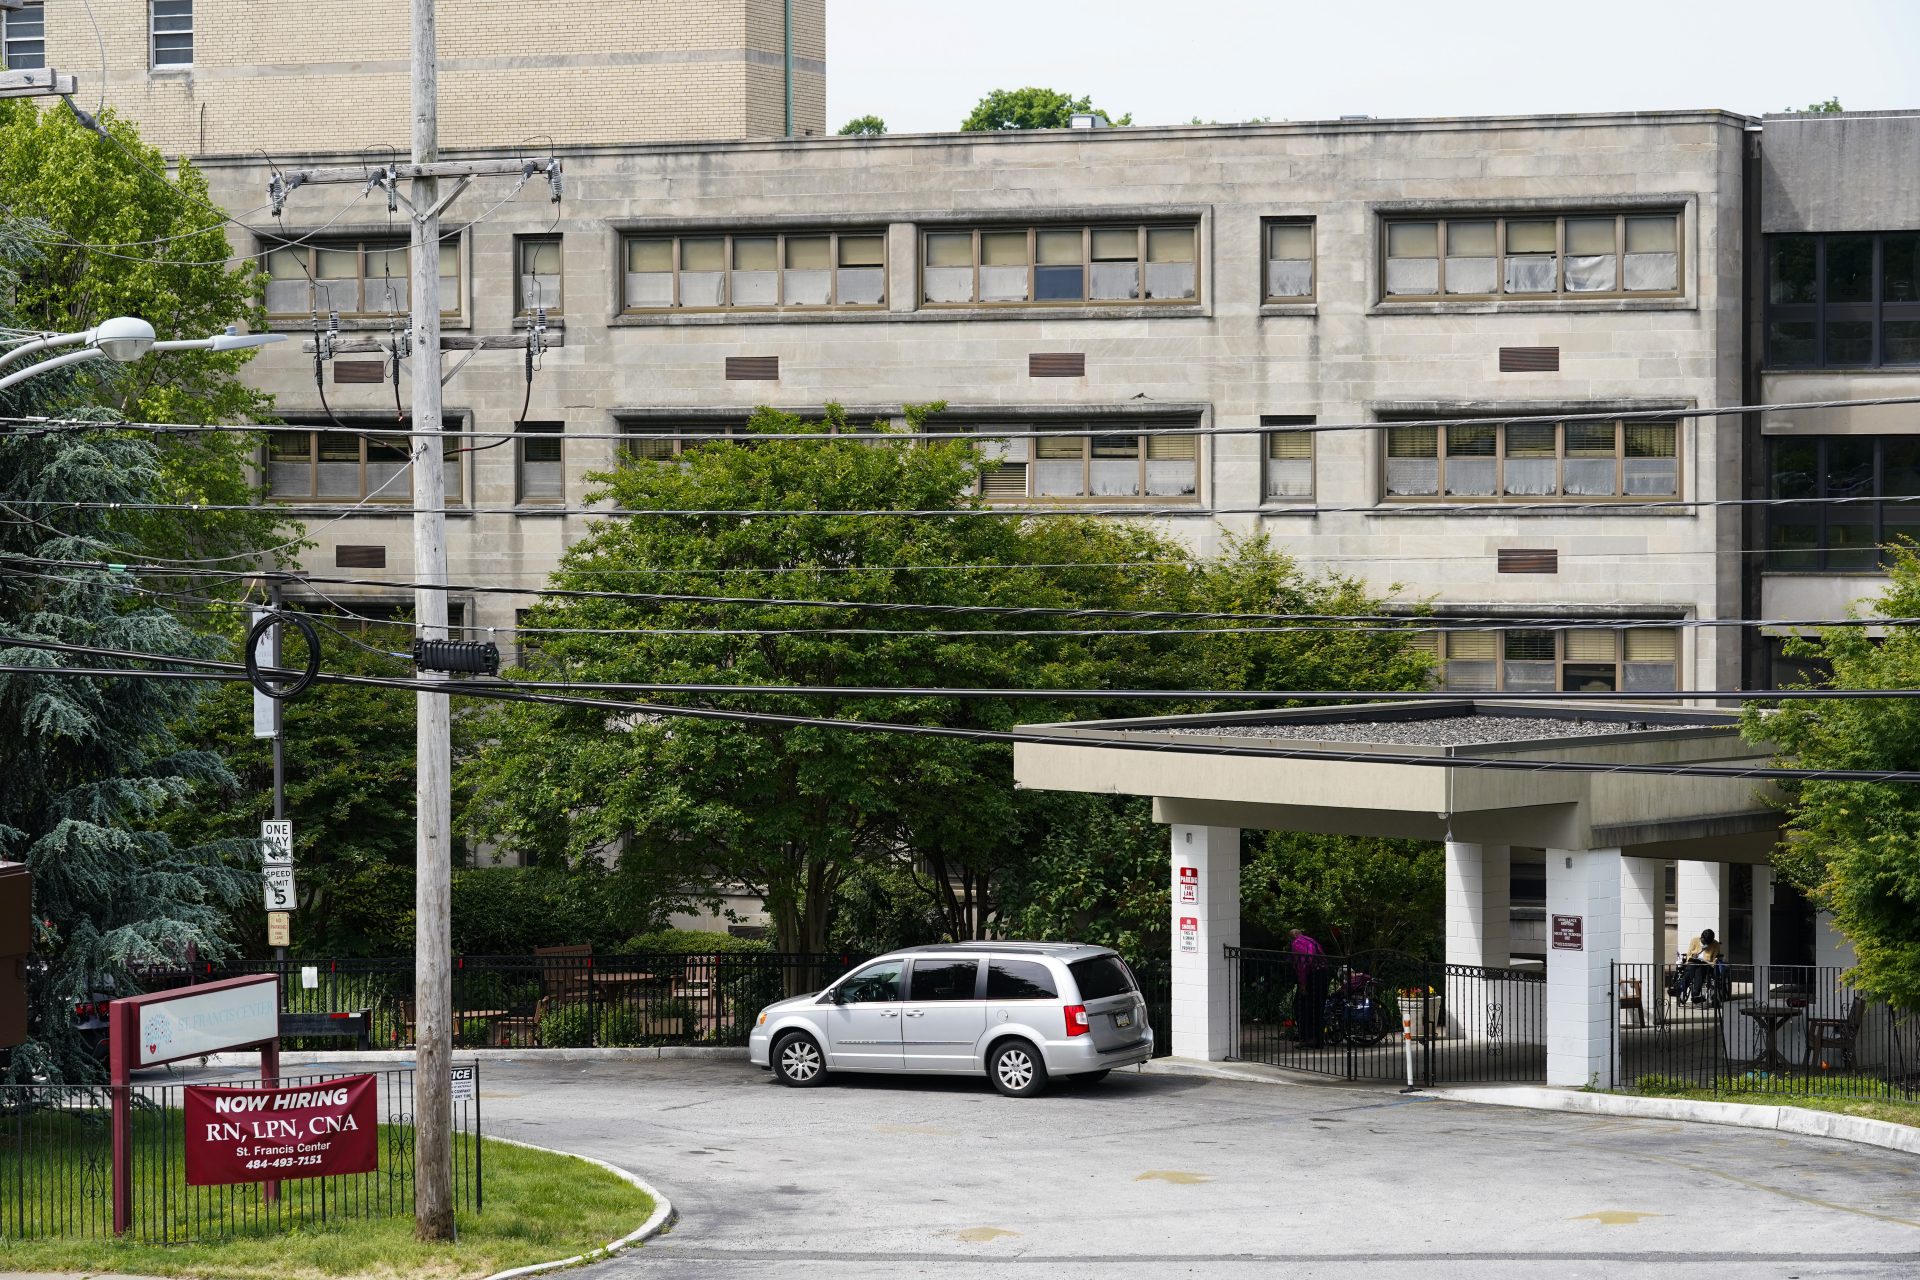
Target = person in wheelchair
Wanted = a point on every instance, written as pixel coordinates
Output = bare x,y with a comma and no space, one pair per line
1703,960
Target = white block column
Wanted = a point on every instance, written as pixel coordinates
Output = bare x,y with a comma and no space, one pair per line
1700,900
1643,912
1479,890
1206,919
1762,916
1583,886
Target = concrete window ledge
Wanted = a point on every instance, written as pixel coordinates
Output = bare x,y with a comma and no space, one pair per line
944,315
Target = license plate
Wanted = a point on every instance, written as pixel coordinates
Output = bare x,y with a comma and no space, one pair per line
1122,1019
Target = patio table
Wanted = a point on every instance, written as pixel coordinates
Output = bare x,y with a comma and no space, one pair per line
1772,1017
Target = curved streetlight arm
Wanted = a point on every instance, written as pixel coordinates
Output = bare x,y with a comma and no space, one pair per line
46,366
220,342
40,344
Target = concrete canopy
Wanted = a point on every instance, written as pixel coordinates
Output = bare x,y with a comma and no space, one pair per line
1447,770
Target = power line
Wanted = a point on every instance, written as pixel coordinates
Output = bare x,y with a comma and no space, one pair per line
218,670
993,431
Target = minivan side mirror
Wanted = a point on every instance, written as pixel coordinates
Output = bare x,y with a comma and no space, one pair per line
833,996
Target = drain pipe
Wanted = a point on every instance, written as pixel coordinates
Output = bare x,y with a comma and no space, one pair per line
788,29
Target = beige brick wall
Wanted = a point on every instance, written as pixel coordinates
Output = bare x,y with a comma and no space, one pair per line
289,77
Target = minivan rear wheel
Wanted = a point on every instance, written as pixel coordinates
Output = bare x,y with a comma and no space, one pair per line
1017,1070
797,1061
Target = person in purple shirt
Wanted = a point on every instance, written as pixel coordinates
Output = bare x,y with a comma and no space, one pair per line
1310,998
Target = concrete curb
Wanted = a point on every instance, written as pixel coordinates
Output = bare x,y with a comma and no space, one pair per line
656,1222
1781,1119
636,1054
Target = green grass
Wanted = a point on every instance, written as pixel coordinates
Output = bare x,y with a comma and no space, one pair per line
1873,1098
538,1206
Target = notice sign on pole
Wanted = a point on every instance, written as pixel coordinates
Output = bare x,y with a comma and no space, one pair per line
1569,933
270,1135
463,1083
280,931
1189,933
1189,885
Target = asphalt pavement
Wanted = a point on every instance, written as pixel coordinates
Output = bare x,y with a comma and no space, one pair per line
1156,1175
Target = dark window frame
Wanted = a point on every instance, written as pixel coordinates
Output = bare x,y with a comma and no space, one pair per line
529,437
34,59
398,493
1442,220
1877,312
729,268
521,244
1503,454
1567,664
1089,258
166,37
320,293
1817,516
1267,228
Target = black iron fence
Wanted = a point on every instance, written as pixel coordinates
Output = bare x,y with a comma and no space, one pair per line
565,1001
1340,1015
56,1167
1759,1029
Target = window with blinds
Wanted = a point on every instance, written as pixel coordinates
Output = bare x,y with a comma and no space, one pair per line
1598,659
1629,461
537,274
318,465
542,478
1571,255
758,271
23,37
357,278
1118,466
1289,261
172,33
1289,461
1059,264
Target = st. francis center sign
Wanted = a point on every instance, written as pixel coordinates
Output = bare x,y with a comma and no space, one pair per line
250,1135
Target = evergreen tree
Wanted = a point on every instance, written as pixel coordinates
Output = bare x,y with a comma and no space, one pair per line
90,763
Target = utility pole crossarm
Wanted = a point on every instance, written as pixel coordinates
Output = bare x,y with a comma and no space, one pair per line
44,82
434,169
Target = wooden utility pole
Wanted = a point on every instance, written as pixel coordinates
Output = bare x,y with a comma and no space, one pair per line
433,888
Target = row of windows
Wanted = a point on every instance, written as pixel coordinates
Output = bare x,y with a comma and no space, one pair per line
23,35
1093,263
1600,659
1843,301
1846,535
1519,462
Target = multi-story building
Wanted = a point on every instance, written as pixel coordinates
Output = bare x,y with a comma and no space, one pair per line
247,77
1835,303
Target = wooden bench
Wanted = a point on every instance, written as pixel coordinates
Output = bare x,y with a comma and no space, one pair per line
357,1027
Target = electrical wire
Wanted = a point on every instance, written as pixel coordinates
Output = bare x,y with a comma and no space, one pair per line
207,668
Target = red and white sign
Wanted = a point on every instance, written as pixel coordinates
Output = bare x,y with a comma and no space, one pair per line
262,1135
1189,884
1189,933
1569,933
195,1021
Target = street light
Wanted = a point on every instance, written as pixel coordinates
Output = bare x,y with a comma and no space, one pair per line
123,338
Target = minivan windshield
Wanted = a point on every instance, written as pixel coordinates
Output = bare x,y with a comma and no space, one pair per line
1101,976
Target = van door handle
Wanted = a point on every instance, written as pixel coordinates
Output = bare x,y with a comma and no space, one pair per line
916,1013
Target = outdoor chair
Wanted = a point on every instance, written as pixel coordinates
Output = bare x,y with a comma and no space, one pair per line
1836,1033
1629,1000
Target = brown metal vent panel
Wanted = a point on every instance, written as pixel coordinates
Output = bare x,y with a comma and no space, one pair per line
1529,359
1057,364
364,371
1524,560
753,368
347,556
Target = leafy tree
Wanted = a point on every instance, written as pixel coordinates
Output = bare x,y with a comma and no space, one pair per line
1032,108
350,793
117,236
1350,893
1830,107
1854,847
92,763
863,126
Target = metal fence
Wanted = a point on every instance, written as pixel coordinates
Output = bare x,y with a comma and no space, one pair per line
1765,1029
1340,1015
571,1001
56,1167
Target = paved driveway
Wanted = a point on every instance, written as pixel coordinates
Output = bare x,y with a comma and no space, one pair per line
1153,1175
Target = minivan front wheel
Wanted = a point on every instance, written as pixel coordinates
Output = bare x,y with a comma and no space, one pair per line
1016,1069
797,1061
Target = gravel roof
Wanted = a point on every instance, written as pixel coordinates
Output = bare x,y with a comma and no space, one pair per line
1441,731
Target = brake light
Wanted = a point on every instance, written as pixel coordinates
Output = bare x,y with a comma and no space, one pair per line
1077,1020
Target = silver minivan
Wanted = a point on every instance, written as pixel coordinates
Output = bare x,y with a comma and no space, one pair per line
1022,1012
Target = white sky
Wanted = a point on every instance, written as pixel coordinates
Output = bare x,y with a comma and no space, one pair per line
922,64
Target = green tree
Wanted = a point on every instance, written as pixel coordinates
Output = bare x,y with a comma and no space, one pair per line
1830,107
92,763
863,126
350,785
117,236
1854,847
1032,108
1350,893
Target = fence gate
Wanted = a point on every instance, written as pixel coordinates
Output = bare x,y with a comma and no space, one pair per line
1339,1016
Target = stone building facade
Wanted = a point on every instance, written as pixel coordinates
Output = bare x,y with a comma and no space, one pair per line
1248,277
236,77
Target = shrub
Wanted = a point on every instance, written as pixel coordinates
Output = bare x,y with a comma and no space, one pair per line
471,1034
508,911
693,942
570,1026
